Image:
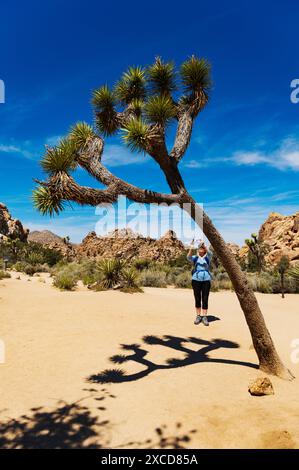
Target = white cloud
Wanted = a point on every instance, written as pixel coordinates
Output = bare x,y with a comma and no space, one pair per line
118,155
16,149
193,164
285,157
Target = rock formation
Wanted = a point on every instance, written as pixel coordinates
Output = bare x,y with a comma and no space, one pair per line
11,228
128,245
281,233
53,241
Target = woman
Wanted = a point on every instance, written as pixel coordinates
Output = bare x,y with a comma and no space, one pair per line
201,281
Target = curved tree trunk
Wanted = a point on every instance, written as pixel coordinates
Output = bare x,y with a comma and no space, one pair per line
269,361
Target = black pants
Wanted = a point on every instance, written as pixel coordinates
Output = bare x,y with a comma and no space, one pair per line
201,291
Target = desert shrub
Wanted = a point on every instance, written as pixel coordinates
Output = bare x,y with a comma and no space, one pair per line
141,263
174,273
42,268
24,267
153,278
32,253
35,258
35,253
221,276
110,271
223,284
179,262
88,272
130,281
290,285
130,277
261,282
4,275
65,280
215,286
294,273
183,280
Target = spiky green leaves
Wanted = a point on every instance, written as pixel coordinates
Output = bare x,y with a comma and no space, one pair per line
196,75
160,109
104,102
131,86
294,272
60,158
103,98
80,133
135,135
161,77
46,202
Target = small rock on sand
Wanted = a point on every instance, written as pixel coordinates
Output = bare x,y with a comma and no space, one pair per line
261,386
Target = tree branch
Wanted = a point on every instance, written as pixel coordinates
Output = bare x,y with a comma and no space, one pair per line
186,116
183,135
89,158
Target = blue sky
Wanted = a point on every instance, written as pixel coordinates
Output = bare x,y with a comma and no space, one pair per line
243,161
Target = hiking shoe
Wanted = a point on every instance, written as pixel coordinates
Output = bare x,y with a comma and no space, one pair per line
197,320
205,321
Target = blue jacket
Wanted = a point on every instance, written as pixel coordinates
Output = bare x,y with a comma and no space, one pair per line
201,271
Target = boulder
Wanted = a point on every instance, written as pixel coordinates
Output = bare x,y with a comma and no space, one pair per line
11,228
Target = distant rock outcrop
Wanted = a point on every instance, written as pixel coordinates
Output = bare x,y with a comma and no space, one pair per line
126,244
281,234
53,241
11,228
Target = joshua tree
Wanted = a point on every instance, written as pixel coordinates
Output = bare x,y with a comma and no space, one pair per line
258,250
282,267
141,106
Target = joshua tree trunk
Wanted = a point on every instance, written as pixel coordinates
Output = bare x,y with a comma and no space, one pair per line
282,284
269,360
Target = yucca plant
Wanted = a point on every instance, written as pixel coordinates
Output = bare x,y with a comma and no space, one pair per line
131,86
104,102
130,277
60,158
160,109
196,76
161,77
80,133
110,271
136,135
46,202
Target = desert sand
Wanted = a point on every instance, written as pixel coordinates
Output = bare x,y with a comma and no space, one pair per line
175,384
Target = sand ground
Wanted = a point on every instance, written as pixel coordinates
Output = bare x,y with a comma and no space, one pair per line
175,384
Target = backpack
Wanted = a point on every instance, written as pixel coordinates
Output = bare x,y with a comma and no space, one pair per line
195,262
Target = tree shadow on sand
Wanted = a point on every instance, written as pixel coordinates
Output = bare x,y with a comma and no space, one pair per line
72,426
172,342
177,439
69,426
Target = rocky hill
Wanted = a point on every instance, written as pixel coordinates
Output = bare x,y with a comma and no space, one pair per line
281,233
50,239
127,245
9,227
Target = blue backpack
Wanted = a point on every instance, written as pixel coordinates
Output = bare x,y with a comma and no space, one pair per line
195,263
